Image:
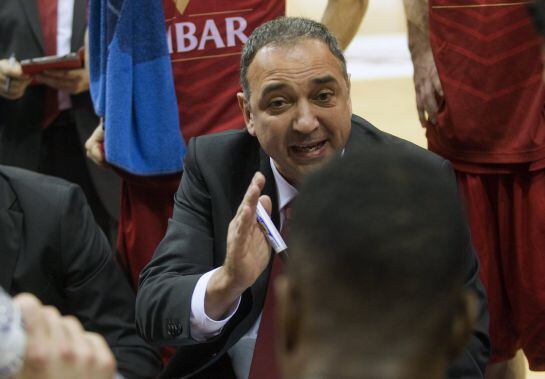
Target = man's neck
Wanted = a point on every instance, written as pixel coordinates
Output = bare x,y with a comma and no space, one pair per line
350,366
376,372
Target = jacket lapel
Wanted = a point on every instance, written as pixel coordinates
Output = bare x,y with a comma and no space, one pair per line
11,223
255,160
270,185
32,13
78,24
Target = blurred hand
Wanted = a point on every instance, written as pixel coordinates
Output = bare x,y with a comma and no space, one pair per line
13,82
427,86
73,81
94,146
58,347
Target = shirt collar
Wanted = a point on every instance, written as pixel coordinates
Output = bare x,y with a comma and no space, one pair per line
286,192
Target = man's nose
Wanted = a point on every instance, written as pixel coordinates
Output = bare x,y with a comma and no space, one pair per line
305,121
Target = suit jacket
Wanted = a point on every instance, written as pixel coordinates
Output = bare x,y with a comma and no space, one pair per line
50,246
20,120
218,170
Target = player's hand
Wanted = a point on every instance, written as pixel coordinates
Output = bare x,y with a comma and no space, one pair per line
58,347
427,87
13,82
72,81
94,146
248,253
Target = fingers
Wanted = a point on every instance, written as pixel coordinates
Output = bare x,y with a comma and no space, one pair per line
437,87
94,146
13,92
266,202
73,81
247,209
13,88
58,346
62,84
252,193
244,221
71,329
83,354
426,101
95,154
427,87
430,103
104,361
12,69
37,329
61,74
420,109
76,73
248,251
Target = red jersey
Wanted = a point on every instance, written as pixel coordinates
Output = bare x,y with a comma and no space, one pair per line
205,39
487,54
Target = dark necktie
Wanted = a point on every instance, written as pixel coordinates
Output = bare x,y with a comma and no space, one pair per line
264,363
48,23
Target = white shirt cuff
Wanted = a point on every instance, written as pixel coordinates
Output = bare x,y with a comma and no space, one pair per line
202,326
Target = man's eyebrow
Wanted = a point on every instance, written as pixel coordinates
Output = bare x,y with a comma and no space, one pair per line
324,79
272,87
278,86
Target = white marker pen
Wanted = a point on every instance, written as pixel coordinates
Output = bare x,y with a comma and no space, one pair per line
270,230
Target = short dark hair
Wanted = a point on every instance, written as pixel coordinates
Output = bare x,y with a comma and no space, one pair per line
285,31
537,12
381,229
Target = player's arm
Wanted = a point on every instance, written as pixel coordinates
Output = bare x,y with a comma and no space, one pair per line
426,79
343,18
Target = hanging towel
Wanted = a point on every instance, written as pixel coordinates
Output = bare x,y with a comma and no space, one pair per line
132,86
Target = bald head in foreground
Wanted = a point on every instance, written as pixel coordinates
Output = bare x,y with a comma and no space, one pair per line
381,235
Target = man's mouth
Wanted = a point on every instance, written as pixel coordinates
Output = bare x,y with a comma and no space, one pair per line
309,149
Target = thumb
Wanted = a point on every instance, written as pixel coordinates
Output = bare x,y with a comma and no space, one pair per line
12,69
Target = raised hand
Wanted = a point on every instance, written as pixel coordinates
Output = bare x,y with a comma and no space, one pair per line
248,253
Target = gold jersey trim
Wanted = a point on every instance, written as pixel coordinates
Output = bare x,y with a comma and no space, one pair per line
480,5
204,57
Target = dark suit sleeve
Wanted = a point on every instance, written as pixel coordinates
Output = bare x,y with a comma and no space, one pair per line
472,362
95,290
163,304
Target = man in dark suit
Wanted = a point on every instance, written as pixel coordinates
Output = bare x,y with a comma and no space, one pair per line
206,286
51,247
41,130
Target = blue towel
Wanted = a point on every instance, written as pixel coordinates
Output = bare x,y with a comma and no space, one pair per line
132,86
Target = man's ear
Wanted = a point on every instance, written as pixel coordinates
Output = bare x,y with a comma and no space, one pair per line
246,112
463,323
349,87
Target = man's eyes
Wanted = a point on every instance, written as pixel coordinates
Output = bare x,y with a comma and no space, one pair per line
324,96
280,103
277,103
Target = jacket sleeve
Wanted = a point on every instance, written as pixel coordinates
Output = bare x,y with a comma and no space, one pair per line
95,290
186,252
472,362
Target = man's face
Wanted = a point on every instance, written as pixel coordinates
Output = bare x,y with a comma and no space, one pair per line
299,107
